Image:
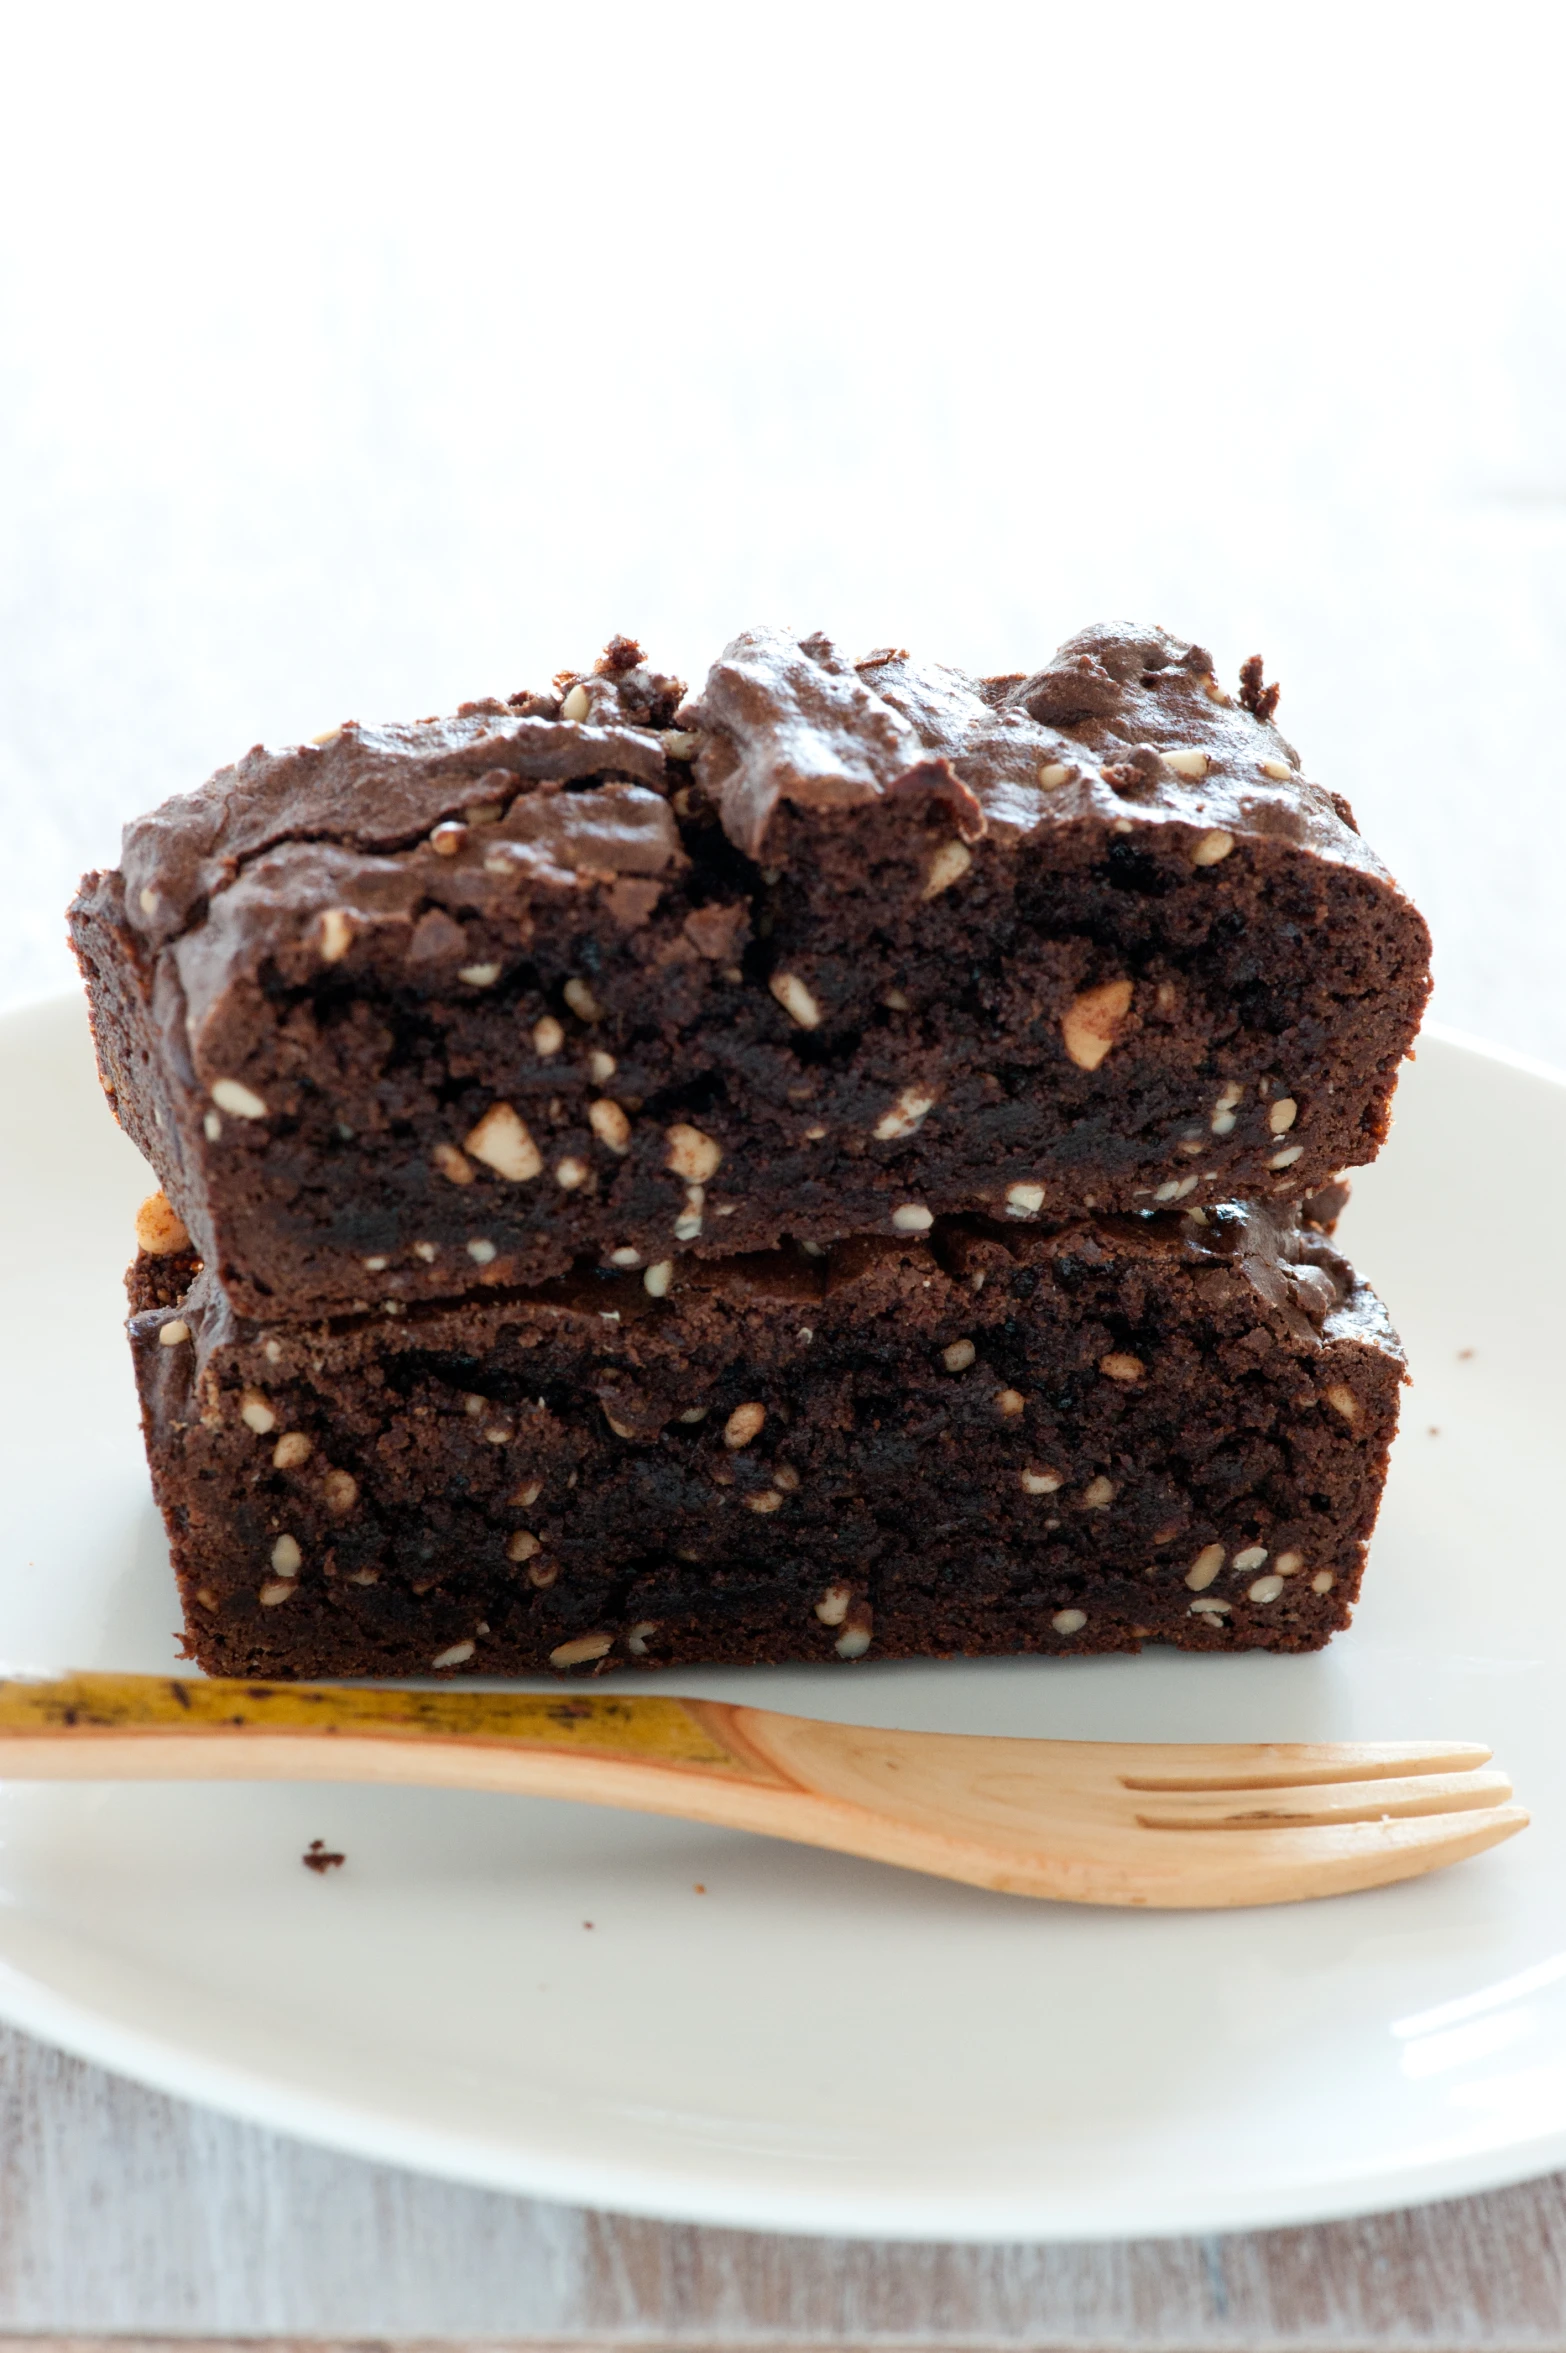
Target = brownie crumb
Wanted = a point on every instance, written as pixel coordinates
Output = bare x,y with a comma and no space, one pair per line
1261,701
621,653
319,1858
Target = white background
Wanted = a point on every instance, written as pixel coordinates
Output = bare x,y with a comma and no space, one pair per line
357,360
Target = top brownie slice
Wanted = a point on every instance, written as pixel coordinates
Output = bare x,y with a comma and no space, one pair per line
832,948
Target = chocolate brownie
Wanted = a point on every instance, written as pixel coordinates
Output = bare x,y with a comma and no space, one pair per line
834,948
994,1438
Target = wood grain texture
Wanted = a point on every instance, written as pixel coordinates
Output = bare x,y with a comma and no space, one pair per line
1084,1821
127,2215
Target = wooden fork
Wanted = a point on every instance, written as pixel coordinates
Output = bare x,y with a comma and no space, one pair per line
1088,1822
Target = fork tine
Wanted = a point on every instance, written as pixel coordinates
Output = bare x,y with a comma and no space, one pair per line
1291,1764
1286,1866
1341,1801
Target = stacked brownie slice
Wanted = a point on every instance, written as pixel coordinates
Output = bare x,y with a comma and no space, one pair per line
840,1165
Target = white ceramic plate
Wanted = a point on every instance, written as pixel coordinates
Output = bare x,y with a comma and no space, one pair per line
818,2044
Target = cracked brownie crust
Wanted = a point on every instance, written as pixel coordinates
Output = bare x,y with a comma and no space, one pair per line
831,948
991,1439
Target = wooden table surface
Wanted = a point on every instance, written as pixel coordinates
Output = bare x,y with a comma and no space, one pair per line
125,2214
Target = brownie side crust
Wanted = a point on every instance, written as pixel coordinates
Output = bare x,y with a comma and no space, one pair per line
992,1439
847,949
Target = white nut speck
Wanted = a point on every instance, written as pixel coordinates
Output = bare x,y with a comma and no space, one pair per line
482,1252
484,812
277,1590
453,1166
1230,1093
585,1647
695,1413
548,1036
499,1434
1069,1621
691,1154
1187,763
1278,770
292,1449
1168,1191
272,1350
577,704
625,1257
581,1000
1091,1022
680,743
1251,1558
1040,1482
148,900
529,1492
230,1094
1342,1400
853,1642
601,1068
769,1500
286,1557
502,1142
173,1335
1212,847
336,935
896,1001
1024,1200
744,1424
1009,1403
522,1545
1286,1159
786,1477
569,1173
950,863
958,1356
211,1126
832,1608
473,1403
479,976
904,1116
256,1413
657,1279
1323,1581
636,1640
609,1124
1282,1115
1210,1609
687,1225
447,838
457,1656
1119,1366
1205,1567
1265,1589
1098,1494
795,999
913,1218
341,1492
364,1576
1289,1564
1053,773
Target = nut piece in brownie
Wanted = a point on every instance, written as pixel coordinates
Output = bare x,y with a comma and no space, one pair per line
832,949
991,1439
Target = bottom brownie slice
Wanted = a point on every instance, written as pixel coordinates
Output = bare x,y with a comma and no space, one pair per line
1161,1428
